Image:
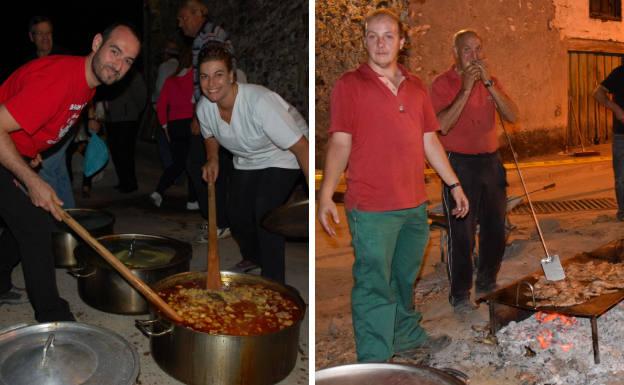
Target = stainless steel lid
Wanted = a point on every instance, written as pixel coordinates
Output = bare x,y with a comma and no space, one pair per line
387,374
66,353
148,251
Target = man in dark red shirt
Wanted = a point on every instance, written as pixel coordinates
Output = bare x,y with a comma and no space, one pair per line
466,98
40,101
383,126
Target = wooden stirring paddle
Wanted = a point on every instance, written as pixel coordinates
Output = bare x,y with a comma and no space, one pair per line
133,280
213,275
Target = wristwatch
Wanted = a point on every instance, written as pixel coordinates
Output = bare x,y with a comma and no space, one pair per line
488,83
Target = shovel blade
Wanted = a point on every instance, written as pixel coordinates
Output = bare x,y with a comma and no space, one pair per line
552,268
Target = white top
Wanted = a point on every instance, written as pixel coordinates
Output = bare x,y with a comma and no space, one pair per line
262,128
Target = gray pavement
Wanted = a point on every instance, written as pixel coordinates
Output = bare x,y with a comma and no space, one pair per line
135,214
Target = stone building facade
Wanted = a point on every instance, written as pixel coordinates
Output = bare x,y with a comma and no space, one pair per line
529,46
270,39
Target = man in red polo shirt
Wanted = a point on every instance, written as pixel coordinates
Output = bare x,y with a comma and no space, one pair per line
383,126
465,99
40,101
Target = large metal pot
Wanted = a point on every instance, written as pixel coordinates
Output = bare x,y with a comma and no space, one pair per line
64,241
103,288
197,358
67,353
388,374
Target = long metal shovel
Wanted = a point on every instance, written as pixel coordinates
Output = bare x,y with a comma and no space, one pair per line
550,263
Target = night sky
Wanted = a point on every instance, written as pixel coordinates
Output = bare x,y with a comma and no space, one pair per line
75,24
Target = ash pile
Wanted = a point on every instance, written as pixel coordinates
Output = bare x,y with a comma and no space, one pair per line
560,348
544,349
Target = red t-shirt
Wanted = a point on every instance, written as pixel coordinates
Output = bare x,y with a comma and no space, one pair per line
386,164
475,130
176,99
45,96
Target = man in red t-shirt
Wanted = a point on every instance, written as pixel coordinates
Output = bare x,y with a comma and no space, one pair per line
40,101
383,126
465,99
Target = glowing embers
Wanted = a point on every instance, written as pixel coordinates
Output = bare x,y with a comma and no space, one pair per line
552,329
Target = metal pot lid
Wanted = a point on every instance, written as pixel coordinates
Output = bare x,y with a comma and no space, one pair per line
289,220
66,353
148,251
387,374
90,219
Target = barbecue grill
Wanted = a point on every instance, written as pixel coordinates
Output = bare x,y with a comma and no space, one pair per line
514,302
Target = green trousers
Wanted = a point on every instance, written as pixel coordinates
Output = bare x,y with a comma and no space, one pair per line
389,247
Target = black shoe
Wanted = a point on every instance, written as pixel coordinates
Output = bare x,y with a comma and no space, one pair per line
424,352
464,307
244,266
15,296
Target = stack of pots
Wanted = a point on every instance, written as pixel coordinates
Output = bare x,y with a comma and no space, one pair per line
102,287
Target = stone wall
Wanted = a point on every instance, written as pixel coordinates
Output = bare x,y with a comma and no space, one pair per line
522,44
270,38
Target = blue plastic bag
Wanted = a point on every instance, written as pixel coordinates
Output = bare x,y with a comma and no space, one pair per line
96,155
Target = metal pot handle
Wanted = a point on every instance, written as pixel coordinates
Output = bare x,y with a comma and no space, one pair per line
76,272
147,327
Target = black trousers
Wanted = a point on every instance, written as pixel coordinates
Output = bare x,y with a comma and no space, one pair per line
179,136
253,194
28,238
196,159
122,143
484,182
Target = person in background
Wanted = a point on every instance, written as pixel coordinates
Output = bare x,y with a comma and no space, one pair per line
614,85
465,99
194,23
88,125
384,127
167,67
175,111
124,108
53,168
268,138
39,102
40,33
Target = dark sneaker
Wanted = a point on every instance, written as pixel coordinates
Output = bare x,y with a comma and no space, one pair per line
15,296
482,290
244,266
620,217
422,354
464,307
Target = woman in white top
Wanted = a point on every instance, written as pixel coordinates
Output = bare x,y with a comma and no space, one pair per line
268,138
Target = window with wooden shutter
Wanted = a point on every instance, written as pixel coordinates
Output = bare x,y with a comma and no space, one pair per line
605,9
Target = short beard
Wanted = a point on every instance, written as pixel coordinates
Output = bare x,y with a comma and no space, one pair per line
95,63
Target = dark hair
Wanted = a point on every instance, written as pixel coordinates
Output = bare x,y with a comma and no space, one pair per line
107,32
216,50
38,19
185,58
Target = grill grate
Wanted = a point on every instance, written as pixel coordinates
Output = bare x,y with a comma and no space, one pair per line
550,207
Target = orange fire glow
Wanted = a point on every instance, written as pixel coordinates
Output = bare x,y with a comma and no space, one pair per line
545,336
543,317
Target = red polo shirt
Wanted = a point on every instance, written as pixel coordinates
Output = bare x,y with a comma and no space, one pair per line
45,97
386,164
475,130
